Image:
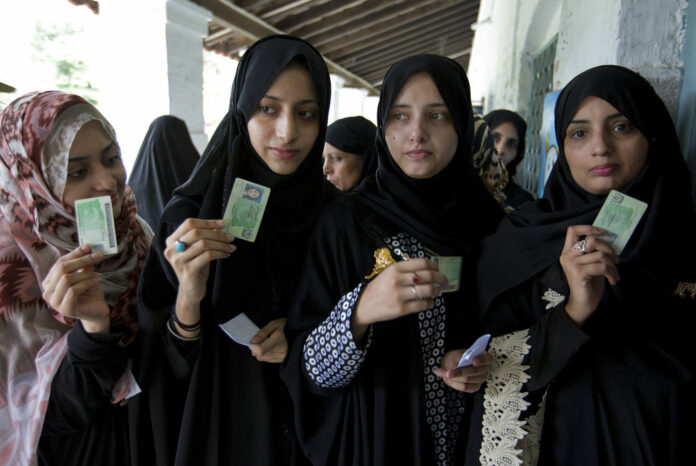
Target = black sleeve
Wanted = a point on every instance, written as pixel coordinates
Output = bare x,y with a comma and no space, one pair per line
553,341
81,389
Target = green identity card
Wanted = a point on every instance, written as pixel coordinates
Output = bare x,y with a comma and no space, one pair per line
450,267
619,217
244,210
95,224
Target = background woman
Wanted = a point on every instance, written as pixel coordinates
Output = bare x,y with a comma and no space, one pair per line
606,338
165,160
508,129
208,399
349,152
62,353
369,327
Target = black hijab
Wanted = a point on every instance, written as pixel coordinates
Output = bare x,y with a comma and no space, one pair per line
531,239
451,211
296,199
355,135
165,161
497,118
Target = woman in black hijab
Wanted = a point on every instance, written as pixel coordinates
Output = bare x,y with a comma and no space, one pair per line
206,399
508,129
369,327
600,355
165,160
349,152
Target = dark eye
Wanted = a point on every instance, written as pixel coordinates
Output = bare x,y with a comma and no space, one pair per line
438,116
578,133
265,109
620,127
77,174
399,116
111,161
307,114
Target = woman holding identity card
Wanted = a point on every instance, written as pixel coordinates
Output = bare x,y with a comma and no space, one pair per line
596,283
371,322
225,263
67,305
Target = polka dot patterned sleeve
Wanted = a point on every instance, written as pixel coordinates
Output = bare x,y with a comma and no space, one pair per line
331,357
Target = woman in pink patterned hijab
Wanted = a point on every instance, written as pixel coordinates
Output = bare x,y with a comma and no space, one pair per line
66,313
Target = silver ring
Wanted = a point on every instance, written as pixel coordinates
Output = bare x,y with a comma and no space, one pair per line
580,246
180,246
415,293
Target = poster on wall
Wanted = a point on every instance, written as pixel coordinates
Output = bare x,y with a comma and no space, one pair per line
548,136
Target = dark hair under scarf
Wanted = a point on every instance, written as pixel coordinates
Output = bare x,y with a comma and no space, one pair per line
355,135
165,161
531,239
451,211
497,118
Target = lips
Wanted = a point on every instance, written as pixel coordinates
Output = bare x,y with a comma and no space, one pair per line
419,154
283,153
604,170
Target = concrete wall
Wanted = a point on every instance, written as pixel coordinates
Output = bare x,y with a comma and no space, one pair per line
686,120
644,35
640,34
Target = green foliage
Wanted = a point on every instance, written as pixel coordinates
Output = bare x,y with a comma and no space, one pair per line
56,46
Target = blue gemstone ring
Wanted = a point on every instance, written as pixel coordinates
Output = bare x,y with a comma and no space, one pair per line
180,246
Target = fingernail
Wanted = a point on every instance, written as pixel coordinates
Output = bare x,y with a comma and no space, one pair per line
85,247
220,223
96,254
229,237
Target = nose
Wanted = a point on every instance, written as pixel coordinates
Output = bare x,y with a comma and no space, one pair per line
327,166
418,130
499,145
104,180
601,142
286,127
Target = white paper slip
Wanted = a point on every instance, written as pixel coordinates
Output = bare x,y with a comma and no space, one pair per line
95,224
240,328
477,349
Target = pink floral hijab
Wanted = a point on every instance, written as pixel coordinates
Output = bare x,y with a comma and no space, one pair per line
36,228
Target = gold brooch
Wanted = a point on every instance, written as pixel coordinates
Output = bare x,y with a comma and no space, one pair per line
685,287
383,259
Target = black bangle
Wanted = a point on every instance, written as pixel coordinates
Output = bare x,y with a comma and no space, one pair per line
183,326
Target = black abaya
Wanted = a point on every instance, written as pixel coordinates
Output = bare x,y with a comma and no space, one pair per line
618,390
209,401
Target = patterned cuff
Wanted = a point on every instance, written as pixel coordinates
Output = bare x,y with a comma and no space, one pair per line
332,358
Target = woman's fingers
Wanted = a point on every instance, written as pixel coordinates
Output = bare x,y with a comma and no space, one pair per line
75,260
418,292
267,331
191,224
415,265
576,232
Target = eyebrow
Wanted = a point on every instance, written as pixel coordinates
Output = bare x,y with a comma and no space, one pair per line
278,99
103,151
434,104
609,117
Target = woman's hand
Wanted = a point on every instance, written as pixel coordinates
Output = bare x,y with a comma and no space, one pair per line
403,288
204,242
269,343
464,379
72,288
586,271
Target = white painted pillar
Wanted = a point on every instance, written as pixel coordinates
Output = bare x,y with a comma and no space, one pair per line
186,26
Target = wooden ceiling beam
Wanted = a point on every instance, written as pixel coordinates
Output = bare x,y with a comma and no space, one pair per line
238,19
287,9
316,13
394,54
387,39
338,45
358,18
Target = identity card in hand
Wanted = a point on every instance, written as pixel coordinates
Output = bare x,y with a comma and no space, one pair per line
450,267
241,329
95,224
475,350
619,217
244,210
